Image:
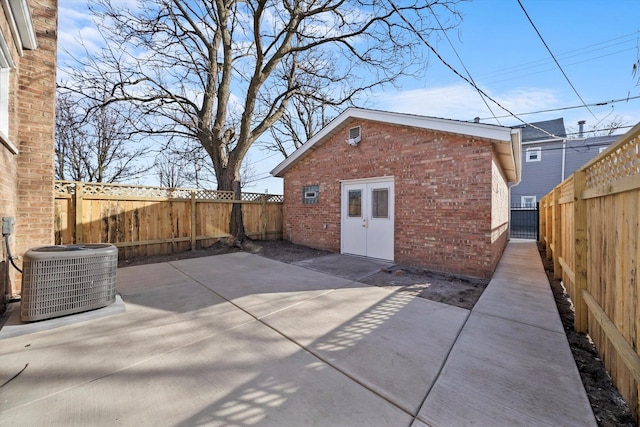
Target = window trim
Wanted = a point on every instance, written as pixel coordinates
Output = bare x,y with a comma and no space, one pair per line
525,204
4,110
530,151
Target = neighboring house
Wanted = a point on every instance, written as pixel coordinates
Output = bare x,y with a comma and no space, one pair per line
415,190
547,161
28,45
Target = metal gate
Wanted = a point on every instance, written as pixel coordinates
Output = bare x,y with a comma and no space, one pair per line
524,221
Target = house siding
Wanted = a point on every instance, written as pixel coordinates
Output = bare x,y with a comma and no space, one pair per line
444,191
26,181
539,178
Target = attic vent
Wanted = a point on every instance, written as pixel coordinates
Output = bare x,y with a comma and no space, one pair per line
354,136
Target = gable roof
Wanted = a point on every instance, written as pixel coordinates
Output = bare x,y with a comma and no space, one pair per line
506,140
554,127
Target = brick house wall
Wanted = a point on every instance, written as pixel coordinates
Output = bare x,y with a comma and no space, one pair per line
26,181
451,198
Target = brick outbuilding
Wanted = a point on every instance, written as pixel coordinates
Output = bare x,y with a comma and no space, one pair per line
415,190
28,48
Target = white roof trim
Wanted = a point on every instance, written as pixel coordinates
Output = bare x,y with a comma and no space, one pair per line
6,61
480,130
22,24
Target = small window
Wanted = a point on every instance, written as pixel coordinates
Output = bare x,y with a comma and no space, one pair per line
310,194
528,201
355,203
534,154
380,203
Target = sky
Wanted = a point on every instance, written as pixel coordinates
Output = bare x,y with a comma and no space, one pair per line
596,43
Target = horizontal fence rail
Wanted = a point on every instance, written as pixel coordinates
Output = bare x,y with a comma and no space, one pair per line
144,220
590,227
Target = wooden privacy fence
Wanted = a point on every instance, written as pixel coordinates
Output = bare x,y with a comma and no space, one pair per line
142,220
590,227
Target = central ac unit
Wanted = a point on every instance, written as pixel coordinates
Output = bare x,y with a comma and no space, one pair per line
66,279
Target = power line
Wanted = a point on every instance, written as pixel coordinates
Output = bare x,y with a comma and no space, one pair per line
463,66
556,61
456,72
595,104
571,54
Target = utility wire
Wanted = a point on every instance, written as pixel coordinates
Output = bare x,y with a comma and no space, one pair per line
456,72
595,104
556,61
571,54
463,66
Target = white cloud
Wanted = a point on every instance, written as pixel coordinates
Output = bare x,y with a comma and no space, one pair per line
462,102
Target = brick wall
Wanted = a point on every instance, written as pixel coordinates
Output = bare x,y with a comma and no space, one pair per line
444,185
26,181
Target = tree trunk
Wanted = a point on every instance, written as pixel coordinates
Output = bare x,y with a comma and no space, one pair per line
231,182
236,224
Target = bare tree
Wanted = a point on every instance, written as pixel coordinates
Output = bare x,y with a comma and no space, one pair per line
303,118
609,127
94,144
223,72
606,128
190,169
170,171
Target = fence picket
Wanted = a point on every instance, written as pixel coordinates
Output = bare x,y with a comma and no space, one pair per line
597,251
142,220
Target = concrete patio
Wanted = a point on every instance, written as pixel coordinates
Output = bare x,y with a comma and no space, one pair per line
242,340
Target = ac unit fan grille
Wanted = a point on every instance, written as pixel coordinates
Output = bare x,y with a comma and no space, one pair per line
66,283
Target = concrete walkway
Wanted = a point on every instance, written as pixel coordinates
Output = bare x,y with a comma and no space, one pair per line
242,340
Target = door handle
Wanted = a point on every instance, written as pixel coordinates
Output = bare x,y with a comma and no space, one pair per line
365,222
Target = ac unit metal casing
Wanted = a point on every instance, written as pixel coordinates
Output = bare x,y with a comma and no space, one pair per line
66,279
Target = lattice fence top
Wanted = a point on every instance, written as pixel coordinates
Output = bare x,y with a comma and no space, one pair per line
566,188
619,163
89,189
213,195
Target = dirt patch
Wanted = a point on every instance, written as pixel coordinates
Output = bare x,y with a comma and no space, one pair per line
284,251
608,405
447,289
442,288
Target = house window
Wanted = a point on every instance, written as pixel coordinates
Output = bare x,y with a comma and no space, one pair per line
355,203
380,203
528,201
534,154
310,194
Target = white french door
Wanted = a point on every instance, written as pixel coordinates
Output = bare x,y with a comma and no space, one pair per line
367,218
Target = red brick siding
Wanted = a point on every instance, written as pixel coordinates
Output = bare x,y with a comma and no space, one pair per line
26,181
443,194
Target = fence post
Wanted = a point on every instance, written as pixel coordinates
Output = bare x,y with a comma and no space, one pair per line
264,216
77,198
581,251
537,221
193,220
542,224
557,234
